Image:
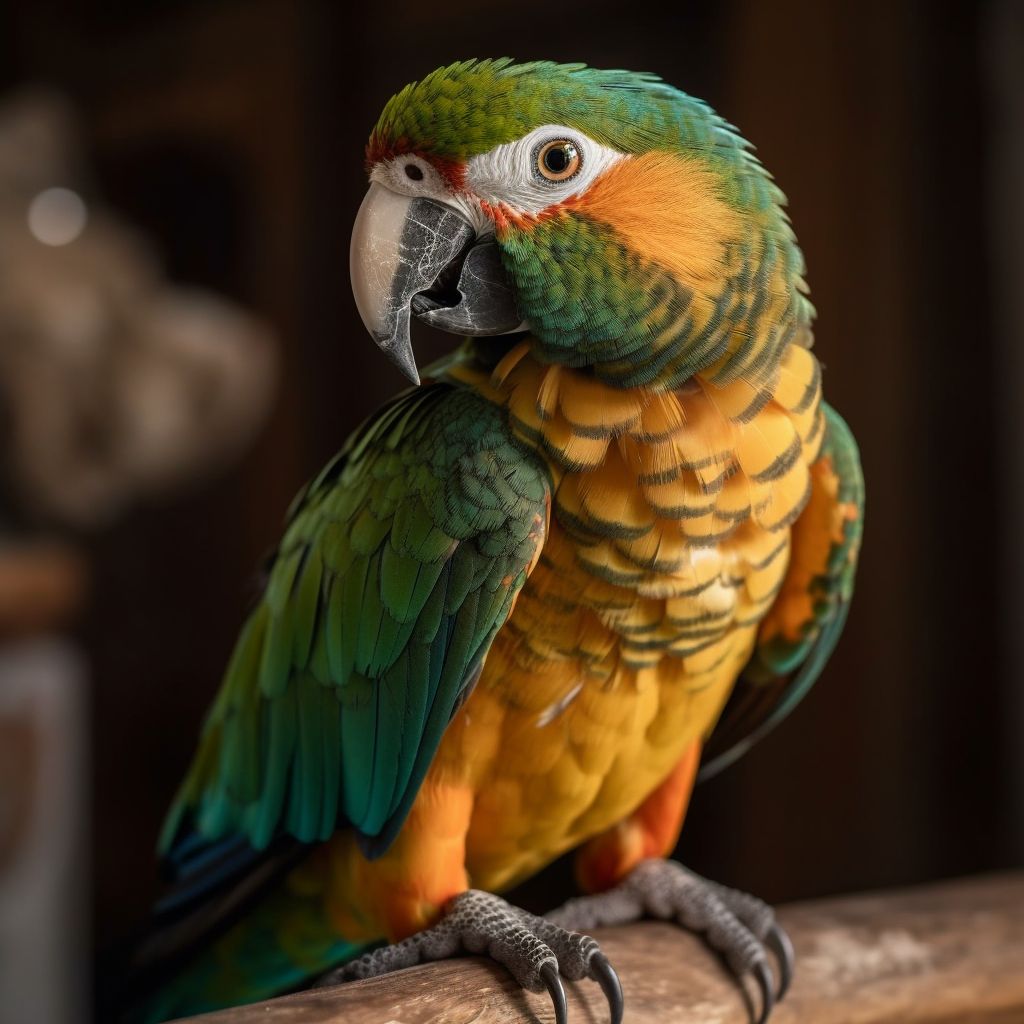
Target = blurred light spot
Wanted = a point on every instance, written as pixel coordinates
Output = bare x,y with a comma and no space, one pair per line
57,216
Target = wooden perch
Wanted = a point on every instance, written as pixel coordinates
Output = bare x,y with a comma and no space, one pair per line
952,953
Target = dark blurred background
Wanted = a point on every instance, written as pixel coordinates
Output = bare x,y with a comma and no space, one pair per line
232,135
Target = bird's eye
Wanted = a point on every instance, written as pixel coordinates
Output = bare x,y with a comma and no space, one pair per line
558,160
413,173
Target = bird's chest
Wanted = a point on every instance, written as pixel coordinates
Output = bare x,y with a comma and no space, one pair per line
668,540
595,689
589,697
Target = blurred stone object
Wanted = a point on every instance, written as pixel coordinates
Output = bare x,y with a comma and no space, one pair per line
44,848
115,385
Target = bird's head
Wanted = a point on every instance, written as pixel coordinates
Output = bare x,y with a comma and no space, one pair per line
621,222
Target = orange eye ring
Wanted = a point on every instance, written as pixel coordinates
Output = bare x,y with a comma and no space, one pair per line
558,160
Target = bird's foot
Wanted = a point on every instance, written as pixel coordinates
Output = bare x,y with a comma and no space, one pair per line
535,950
740,927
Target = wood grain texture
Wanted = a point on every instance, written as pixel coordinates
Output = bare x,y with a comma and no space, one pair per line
942,953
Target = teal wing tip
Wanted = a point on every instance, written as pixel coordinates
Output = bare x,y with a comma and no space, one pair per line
788,691
374,847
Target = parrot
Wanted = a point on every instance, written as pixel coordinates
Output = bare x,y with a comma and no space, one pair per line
586,559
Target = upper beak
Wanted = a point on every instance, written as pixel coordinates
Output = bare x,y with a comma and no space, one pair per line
417,255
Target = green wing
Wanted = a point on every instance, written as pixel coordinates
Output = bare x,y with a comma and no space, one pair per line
400,563
803,626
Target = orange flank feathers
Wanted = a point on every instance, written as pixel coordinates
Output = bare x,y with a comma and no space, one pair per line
404,891
650,831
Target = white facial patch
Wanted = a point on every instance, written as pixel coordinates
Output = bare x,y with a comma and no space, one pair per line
509,174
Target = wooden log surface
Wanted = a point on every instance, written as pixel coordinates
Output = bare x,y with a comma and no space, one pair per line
952,952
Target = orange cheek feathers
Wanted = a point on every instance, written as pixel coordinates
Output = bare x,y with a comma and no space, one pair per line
667,208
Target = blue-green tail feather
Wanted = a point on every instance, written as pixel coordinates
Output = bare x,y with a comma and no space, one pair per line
283,944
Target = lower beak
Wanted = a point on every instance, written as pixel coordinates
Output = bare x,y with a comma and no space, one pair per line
417,255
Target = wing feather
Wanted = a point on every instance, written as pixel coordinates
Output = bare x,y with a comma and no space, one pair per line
400,563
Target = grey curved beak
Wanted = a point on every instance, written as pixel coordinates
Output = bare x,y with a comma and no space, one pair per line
416,255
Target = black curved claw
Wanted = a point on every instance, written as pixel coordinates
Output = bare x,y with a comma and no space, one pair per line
767,984
610,985
549,975
778,942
